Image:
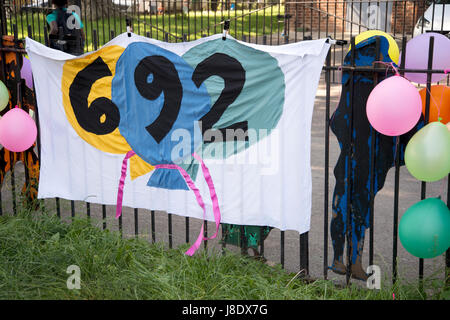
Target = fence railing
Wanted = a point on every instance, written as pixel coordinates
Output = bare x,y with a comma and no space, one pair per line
272,22
264,22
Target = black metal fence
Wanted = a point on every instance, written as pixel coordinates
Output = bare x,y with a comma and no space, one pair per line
272,22
265,22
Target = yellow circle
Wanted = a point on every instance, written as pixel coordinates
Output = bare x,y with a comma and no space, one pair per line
112,142
394,52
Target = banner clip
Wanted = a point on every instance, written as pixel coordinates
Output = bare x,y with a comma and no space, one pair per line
330,40
226,27
129,30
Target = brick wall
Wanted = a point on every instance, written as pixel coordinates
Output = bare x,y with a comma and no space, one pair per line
406,13
307,15
316,14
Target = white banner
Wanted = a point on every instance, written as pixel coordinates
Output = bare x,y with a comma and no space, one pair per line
245,109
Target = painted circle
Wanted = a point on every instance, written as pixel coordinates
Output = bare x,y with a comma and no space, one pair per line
138,112
112,142
261,100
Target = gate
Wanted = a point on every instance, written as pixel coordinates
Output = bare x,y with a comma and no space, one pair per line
271,22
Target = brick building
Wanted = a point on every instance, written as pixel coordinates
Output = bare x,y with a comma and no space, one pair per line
393,16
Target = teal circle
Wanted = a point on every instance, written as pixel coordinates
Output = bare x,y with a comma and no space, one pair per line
261,100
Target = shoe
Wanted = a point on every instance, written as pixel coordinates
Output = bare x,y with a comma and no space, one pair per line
357,271
338,268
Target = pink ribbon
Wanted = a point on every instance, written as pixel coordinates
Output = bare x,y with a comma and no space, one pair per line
192,186
212,193
198,196
122,182
389,64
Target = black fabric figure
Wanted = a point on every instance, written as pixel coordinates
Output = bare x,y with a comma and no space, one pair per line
385,149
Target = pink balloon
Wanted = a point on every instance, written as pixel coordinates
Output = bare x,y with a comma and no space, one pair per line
26,74
417,56
394,106
17,130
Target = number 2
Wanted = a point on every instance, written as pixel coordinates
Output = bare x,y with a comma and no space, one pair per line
233,74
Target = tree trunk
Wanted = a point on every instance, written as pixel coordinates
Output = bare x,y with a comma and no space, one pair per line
97,9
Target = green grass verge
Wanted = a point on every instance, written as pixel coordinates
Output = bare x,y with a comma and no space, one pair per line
35,251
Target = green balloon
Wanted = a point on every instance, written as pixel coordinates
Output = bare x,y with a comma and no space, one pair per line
424,229
427,155
4,96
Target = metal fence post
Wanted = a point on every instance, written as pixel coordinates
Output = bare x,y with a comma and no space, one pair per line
349,182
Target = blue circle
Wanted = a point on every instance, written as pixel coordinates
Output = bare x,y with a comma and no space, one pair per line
137,112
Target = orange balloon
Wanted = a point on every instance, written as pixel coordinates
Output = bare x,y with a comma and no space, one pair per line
439,103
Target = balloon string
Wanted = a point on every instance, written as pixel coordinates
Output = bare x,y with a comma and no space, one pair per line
390,65
397,140
436,104
441,192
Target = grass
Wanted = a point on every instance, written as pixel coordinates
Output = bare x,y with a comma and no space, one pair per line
35,251
194,25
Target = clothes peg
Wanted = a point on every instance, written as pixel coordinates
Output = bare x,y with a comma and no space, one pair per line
128,22
226,27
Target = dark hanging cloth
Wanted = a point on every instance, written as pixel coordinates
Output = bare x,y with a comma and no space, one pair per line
385,148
